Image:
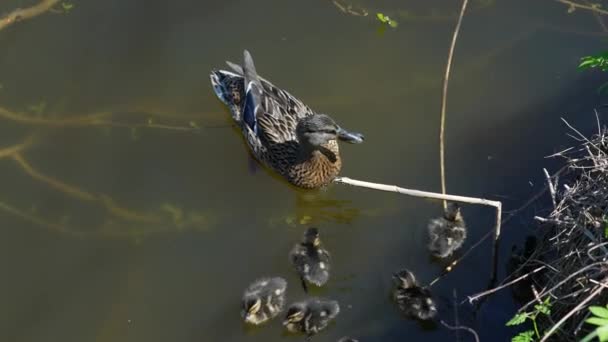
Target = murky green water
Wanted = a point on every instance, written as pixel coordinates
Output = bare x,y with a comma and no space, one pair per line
135,233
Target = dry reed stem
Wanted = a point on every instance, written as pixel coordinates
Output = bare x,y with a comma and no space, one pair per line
444,97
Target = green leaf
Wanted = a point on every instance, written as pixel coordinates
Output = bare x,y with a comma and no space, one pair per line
597,321
602,333
586,63
393,23
67,6
382,17
518,319
525,336
599,311
605,222
544,309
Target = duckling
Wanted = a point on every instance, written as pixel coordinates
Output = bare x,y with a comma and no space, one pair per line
447,233
263,299
310,316
414,301
310,259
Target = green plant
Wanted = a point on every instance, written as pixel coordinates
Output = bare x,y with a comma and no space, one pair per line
530,335
599,318
386,20
595,61
67,6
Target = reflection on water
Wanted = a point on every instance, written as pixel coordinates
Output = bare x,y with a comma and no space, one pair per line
128,209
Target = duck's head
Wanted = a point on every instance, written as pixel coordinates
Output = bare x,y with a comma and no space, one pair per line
295,314
452,212
318,129
311,236
404,279
250,308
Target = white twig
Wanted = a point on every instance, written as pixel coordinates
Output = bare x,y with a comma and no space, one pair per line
427,194
551,187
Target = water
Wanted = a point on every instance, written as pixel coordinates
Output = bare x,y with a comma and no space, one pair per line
175,225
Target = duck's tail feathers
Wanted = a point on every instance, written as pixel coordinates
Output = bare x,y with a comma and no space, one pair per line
253,92
235,67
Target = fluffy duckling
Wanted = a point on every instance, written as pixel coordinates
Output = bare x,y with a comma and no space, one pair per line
263,299
310,316
414,301
310,259
447,233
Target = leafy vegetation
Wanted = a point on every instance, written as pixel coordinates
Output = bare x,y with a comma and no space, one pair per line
520,318
599,61
595,61
386,20
600,318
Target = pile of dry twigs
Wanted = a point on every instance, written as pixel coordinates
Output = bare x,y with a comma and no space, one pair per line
570,262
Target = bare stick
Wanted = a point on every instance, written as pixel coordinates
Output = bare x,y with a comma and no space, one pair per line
573,5
26,13
444,99
551,187
485,293
461,327
576,309
427,194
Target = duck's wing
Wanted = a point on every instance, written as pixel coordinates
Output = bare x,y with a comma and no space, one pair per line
252,110
272,113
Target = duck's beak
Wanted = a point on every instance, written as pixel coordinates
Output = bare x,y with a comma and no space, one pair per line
350,137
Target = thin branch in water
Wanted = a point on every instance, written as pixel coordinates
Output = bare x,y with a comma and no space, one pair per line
26,13
475,297
461,327
444,99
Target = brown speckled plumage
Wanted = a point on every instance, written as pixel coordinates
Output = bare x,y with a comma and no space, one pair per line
270,129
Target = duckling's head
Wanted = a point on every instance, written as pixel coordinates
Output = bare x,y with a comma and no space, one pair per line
452,212
318,129
295,314
404,279
250,308
311,236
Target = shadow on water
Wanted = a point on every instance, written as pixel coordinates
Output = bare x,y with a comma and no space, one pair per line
133,215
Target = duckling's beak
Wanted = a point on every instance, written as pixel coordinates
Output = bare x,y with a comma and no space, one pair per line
350,137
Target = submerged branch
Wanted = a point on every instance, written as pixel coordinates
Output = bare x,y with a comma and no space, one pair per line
21,14
574,5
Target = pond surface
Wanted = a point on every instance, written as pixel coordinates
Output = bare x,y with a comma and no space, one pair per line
145,221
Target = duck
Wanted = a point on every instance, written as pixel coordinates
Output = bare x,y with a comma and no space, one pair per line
282,132
310,259
263,300
447,233
310,316
413,300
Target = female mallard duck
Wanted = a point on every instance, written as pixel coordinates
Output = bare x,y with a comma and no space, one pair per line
263,300
414,301
282,132
310,316
447,233
310,259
